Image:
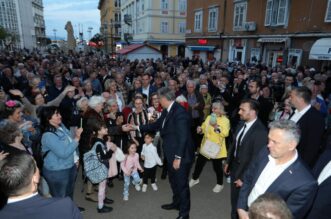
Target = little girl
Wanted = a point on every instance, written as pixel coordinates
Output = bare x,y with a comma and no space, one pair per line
151,159
100,131
130,167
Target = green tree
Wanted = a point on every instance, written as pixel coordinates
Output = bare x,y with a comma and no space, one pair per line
3,33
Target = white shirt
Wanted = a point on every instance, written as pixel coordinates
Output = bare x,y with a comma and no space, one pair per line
151,157
297,115
269,174
13,200
248,126
146,92
326,172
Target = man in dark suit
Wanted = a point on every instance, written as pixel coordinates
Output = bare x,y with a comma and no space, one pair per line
146,87
278,169
174,125
321,207
19,178
311,124
254,88
249,138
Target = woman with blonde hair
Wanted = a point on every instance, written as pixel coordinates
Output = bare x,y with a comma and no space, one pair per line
215,128
111,87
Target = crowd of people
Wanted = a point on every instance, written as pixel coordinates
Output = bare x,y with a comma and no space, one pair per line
263,128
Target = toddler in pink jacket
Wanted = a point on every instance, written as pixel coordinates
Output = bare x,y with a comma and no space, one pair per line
130,167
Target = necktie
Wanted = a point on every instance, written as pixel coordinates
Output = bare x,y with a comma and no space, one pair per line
165,118
239,141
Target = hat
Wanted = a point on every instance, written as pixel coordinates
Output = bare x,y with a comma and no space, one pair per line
312,69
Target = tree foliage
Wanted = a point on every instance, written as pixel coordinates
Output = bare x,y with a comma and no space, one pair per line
3,33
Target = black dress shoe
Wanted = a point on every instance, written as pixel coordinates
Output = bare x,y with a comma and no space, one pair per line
183,217
105,209
81,209
108,201
170,207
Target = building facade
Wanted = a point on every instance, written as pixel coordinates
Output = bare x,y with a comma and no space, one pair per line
110,16
275,32
159,23
205,23
39,23
24,21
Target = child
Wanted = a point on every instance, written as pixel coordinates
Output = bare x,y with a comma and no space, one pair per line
151,159
130,167
99,132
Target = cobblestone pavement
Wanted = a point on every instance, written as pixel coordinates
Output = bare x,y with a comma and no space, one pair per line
205,204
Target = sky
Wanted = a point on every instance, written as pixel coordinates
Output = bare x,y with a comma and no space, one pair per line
81,13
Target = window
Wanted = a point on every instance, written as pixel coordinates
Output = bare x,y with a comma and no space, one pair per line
142,6
212,19
164,4
137,7
164,27
240,10
182,27
328,12
198,21
182,5
276,12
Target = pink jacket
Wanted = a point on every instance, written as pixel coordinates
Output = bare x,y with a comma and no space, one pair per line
131,164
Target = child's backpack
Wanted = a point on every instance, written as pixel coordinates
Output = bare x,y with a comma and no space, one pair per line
94,169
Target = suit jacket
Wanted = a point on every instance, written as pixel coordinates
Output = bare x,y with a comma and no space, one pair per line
252,142
321,207
38,207
312,127
151,90
175,133
295,185
265,109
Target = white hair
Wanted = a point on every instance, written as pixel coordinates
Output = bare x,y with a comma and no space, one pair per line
95,100
80,101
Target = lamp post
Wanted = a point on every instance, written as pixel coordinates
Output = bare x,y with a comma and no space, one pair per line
89,30
54,30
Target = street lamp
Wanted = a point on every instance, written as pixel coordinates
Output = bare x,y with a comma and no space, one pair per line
89,30
54,30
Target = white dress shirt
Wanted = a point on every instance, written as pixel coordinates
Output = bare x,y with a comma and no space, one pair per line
151,157
269,174
13,200
248,126
297,115
326,172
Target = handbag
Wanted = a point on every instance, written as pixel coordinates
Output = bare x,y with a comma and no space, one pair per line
210,149
119,155
94,169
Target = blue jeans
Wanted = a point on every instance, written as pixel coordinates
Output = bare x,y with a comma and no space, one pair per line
61,182
135,180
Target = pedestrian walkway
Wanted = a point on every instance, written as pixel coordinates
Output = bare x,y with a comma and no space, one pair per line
204,202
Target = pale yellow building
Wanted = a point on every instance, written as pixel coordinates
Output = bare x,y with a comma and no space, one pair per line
110,16
159,23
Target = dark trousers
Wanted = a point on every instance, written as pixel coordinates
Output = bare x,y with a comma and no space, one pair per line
149,173
61,182
180,189
217,166
197,138
234,191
